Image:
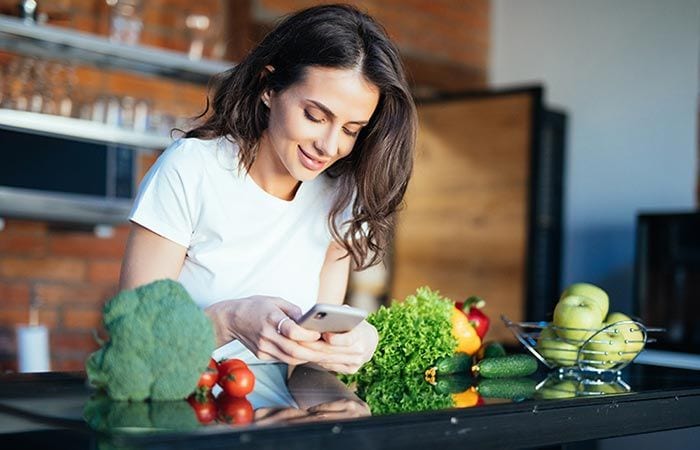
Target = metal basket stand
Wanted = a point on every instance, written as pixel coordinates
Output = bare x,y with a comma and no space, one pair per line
559,385
588,357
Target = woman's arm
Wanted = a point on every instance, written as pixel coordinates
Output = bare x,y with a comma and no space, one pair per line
357,346
251,320
334,275
149,257
319,394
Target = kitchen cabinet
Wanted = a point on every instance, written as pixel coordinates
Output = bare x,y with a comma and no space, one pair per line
483,210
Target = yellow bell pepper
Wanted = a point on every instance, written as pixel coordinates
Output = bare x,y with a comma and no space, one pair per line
467,340
466,399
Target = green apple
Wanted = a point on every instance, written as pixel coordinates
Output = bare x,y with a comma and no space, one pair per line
576,318
556,350
558,389
603,350
602,388
591,291
634,338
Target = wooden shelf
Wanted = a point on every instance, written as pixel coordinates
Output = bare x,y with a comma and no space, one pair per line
78,129
48,41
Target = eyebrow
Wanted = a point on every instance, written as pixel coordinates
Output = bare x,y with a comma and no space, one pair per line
326,110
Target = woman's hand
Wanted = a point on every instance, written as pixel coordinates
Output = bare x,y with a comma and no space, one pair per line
333,410
254,321
353,348
268,416
340,409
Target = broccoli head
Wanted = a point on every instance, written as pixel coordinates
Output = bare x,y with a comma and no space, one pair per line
160,342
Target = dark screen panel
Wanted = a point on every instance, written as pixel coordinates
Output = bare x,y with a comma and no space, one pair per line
667,278
52,164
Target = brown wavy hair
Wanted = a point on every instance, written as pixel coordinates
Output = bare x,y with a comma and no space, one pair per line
374,176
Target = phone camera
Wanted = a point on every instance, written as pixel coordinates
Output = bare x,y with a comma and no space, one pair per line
320,315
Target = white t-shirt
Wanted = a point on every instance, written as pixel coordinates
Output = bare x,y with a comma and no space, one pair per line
240,240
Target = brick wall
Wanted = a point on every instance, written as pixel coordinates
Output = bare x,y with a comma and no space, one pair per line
67,275
444,43
163,20
451,30
456,31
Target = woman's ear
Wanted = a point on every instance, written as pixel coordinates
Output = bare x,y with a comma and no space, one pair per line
265,96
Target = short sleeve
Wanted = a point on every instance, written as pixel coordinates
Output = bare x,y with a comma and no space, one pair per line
166,200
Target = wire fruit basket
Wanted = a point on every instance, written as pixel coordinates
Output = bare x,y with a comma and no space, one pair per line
558,386
601,352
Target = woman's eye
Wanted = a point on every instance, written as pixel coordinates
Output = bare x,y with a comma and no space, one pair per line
312,118
351,133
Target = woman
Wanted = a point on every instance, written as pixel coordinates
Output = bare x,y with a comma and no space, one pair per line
297,169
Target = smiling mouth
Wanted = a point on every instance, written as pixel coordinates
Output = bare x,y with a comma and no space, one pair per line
309,161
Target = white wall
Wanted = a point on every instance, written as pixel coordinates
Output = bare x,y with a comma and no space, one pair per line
626,72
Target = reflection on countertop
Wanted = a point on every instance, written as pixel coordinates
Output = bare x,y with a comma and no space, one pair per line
308,407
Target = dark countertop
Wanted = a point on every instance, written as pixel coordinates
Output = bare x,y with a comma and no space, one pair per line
46,410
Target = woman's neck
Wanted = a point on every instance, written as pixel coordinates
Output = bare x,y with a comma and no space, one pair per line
271,175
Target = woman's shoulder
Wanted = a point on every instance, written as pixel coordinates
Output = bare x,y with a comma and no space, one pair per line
199,147
195,152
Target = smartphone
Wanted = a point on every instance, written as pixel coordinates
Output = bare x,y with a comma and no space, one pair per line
333,318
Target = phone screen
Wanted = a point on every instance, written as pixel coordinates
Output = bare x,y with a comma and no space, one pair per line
332,318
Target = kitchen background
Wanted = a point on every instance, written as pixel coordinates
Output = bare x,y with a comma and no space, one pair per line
624,72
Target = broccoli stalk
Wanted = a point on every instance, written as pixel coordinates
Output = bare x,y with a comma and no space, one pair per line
160,343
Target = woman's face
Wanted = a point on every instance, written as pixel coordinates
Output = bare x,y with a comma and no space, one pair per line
315,122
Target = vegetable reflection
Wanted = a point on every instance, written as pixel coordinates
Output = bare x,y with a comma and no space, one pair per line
107,415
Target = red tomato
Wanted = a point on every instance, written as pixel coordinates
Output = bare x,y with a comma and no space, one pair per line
225,366
204,407
208,379
234,410
238,382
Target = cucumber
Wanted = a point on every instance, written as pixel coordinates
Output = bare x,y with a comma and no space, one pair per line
510,388
453,384
457,363
491,350
506,366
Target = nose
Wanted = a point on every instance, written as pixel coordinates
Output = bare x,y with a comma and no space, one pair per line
327,144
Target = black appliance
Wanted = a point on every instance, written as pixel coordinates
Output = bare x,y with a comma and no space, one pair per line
64,180
667,278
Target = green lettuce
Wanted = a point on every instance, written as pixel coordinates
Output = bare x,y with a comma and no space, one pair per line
413,334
